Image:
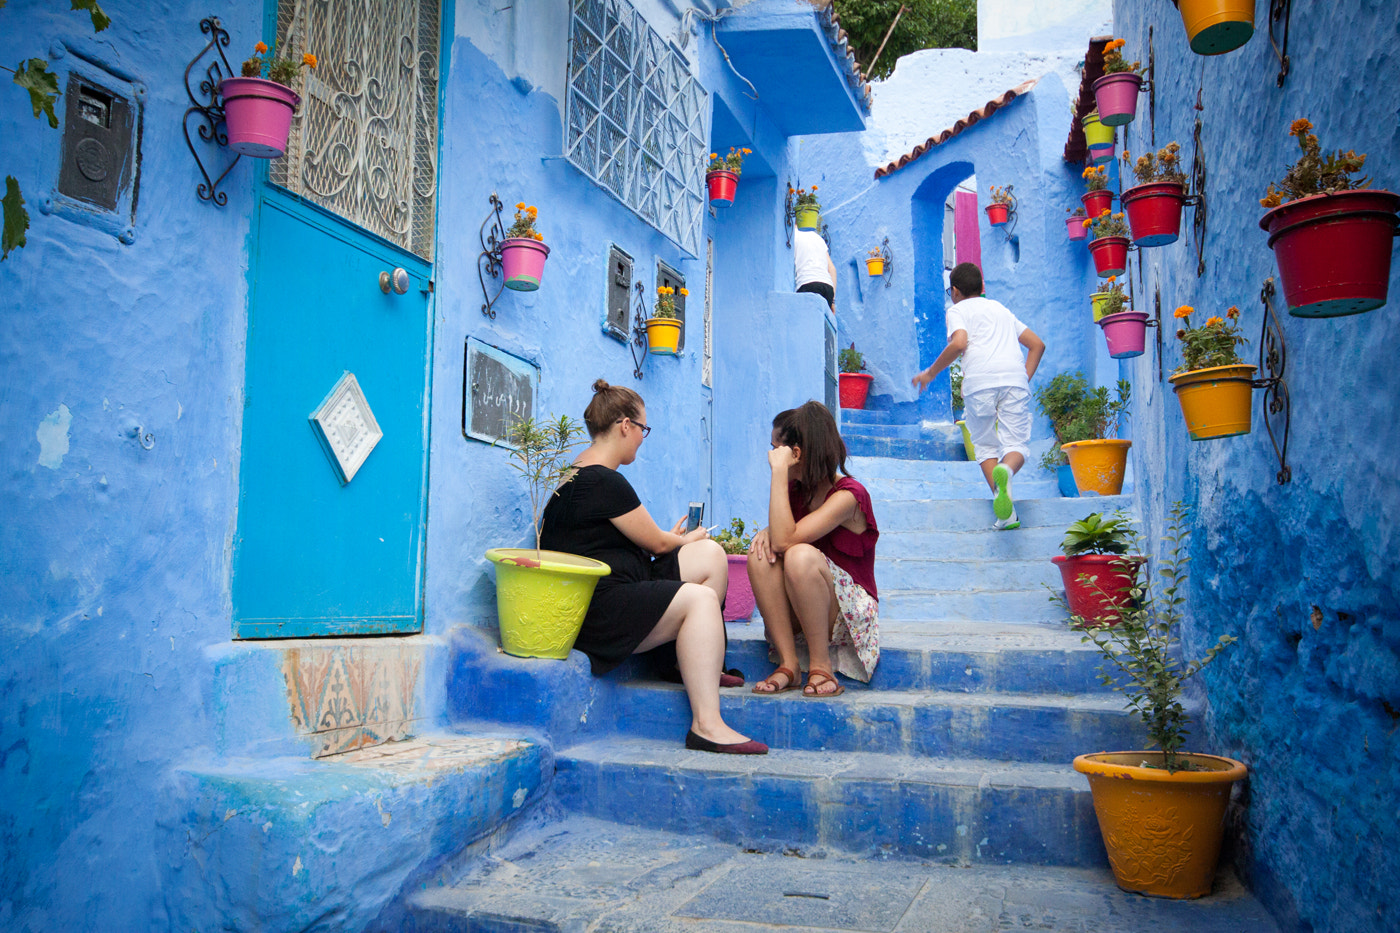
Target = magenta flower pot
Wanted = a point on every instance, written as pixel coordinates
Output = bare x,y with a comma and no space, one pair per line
1116,95
1074,226
1101,155
1126,333
522,261
258,116
738,599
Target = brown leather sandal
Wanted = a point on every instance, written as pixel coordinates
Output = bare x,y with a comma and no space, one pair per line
826,678
793,682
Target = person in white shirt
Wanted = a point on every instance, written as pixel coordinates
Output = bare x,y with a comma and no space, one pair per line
996,382
812,265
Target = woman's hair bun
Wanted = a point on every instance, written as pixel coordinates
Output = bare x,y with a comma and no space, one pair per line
600,385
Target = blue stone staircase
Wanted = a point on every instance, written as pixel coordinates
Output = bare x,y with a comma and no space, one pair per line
899,433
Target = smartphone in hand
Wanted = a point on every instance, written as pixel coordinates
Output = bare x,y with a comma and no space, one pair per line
695,516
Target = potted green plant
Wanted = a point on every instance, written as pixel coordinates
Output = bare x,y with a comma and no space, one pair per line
1116,92
664,325
1082,419
258,106
1154,204
1161,812
722,175
542,596
999,211
523,251
1109,246
738,598
1212,383
854,382
807,210
1097,571
1331,235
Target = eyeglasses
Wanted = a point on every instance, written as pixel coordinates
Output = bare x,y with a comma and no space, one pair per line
948,291
643,428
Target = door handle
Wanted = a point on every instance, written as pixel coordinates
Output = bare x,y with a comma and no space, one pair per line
397,280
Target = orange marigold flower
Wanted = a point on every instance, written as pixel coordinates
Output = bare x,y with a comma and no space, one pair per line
1299,126
1112,279
1214,322
747,151
309,60
520,205
1087,222
713,156
1183,311
685,291
1233,313
814,187
532,211
1105,212
260,48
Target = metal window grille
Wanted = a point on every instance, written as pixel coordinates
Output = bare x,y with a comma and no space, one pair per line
364,141
637,120
707,365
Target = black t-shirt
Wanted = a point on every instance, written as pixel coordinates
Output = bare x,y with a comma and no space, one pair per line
577,520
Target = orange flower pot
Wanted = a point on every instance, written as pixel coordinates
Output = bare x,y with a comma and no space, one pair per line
1217,26
875,266
1216,402
1098,465
1162,829
663,335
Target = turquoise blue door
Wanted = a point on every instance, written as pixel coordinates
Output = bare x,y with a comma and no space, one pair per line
313,555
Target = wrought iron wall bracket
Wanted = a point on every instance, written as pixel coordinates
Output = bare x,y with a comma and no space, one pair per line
488,264
1010,224
1150,86
789,215
888,255
639,330
1197,198
1280,10
206,108
1273,358
1157,320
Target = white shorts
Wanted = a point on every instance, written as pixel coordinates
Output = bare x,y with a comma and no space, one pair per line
999,421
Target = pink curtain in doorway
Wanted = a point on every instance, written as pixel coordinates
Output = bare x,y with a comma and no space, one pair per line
967,235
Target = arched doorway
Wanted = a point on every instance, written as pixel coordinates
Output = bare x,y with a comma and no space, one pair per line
937,224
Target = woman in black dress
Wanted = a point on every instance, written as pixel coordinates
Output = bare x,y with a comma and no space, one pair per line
645,601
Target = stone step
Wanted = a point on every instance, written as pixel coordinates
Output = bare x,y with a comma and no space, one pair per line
589,874
345,833
942,515
1027,543
920,724
971,605
884,429
896,574
921,448
973,811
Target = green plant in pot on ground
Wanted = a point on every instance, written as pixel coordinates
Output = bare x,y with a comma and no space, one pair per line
738,597
734,539
1161,812
850,360
1077,412
1098,574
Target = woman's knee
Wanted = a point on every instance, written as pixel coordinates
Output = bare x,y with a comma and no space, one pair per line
803,563
699,599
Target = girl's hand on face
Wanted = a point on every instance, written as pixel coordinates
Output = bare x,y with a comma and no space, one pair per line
781,458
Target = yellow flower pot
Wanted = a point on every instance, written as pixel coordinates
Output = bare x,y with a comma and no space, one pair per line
1162,829
967,441
1099,302
1095,133
663,335
1216,402
809,218
541,599
875,266
1098,465
1217,26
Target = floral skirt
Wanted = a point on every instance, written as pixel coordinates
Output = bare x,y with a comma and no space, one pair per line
855,638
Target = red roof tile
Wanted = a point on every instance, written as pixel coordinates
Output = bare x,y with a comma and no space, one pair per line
977,116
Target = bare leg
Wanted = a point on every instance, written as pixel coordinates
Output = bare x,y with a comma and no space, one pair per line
704,562
770,593
1013,462
987,466
812,594
693,622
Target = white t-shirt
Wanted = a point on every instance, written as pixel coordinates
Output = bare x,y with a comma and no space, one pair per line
810,258
993,358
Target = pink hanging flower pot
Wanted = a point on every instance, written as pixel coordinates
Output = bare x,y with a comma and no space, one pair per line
1125,332
522,263
258,116
1154,212
722,185
1074,226
1116,95
1333,250
1110,255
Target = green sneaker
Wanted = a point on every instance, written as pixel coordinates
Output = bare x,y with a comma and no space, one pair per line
1002,506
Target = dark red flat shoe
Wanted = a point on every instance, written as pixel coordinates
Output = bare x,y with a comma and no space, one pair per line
700,744
731,678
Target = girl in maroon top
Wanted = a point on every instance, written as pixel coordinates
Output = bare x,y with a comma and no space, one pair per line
813,567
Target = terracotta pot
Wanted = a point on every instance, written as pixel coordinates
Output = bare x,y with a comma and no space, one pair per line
1216,402
1333,251
854,387
1125,333
1154,212
1110,255
1096,599
1217,26
1162,829
1096,202
997,214
1098,465
1116,96
738,598
722,184
663,335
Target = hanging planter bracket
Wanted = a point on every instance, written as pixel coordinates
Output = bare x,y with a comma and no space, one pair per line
1280,10
488,264
1197,198
205,106
639,330
1273,358
789,217
1151,89
888,256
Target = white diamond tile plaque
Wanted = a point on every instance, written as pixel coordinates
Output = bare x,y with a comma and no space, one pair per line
346,427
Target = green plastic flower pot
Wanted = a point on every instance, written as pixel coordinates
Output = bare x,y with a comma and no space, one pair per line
541,599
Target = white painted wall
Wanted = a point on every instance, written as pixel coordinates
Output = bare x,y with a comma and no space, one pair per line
1037,25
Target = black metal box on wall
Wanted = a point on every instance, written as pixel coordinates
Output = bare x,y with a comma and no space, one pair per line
618,321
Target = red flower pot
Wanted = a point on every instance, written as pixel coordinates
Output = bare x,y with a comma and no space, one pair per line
738,598
1333,251
996,214
1116,96
722,184
1096,202
1110,254
1154,212
1074,226
1125,332
854,387
1113,577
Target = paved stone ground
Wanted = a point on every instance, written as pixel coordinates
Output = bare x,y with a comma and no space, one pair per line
585,875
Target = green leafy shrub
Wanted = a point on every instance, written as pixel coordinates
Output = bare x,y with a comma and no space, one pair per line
1079,413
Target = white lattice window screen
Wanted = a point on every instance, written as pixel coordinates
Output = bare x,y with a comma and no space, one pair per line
707,366
364,142
637,120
